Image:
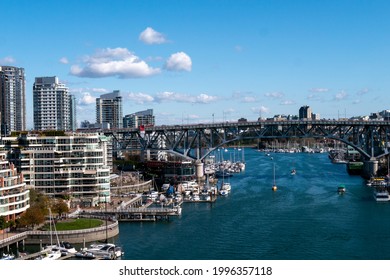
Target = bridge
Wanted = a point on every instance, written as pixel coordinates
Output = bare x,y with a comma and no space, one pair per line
196,141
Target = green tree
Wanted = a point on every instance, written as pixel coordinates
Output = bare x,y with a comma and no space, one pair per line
32,217
3,222
60,207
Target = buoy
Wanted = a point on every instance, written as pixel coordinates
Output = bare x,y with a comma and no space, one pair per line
274,188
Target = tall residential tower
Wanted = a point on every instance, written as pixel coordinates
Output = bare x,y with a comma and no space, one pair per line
52,105
137,119
12,99
109,110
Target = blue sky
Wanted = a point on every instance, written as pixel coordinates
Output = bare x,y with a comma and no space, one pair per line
199,61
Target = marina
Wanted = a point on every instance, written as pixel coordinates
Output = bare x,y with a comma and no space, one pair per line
304,219
304,215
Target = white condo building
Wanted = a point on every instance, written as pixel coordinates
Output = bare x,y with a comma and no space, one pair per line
14,196
73,164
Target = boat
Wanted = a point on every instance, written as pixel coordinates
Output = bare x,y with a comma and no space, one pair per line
222,174
293,172
104,250
381,195
341,189
51,252
65,248
83,254
225,189
9,256
195,197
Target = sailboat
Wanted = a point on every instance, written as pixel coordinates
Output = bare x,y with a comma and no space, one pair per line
225,188
52,252
274,187
104,250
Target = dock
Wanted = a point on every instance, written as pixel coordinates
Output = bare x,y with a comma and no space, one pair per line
132,214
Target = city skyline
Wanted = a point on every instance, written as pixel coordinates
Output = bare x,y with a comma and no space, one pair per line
204,61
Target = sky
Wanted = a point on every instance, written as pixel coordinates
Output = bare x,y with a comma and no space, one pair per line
199,61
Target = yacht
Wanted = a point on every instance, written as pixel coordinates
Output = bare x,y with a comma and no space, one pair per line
381,195
105,251
225,188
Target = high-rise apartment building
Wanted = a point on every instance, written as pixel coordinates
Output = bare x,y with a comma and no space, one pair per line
305,112
109,110
138,119
72,111
52,105
12,99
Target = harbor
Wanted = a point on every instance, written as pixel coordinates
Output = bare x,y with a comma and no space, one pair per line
306,218
319,192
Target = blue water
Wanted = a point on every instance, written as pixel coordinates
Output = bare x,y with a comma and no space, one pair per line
305,219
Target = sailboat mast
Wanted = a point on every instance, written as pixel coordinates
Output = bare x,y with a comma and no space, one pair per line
274,175
105,202
51,233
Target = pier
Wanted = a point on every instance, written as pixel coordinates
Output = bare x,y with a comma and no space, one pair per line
140,214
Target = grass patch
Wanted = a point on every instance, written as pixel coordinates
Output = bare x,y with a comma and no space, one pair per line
76,224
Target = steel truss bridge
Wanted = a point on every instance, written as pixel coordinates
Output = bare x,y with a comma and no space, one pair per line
195,141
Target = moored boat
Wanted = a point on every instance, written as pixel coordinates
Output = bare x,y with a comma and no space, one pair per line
381,195
105,251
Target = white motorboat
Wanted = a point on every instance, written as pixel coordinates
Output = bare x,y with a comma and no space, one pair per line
341,189
381,195
10,256
105,250
293,172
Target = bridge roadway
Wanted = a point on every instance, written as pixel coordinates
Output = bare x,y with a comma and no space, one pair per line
196,141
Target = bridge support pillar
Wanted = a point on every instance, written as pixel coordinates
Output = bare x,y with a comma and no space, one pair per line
370,168
199,169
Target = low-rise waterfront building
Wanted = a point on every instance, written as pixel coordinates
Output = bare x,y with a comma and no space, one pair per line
14,196
75,165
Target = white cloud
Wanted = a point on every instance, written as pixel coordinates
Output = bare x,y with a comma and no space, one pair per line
64,60
150,36
193,117
118,62
261,109
204,98
319,90
140,98
248,99
274,95
99,90
340,96
87,99
287,102
363,91
185,98
179,61
7,60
